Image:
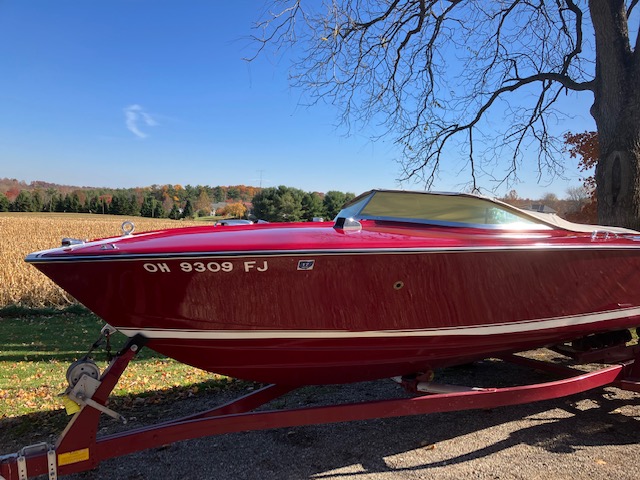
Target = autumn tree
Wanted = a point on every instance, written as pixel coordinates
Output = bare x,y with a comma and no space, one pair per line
585,147
203,203
437,76
236,210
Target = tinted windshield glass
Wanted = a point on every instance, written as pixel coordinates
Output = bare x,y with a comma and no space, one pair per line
353,209
440,209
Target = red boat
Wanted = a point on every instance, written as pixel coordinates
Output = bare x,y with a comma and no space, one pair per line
401,282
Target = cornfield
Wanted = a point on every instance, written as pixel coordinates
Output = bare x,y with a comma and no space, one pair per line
22,233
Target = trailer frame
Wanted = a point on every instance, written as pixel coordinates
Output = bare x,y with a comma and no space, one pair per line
78,448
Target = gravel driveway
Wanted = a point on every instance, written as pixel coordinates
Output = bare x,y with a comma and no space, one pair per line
595,435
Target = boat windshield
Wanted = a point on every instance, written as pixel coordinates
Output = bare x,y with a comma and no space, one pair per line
439,209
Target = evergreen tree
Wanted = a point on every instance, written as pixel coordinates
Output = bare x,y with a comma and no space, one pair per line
124,204
75,205
121,204
334,201
264,204
4,203
132,207
160,211
93,204
114,207
312,206
188,210
291,205
219,194
36,199
51,194
149,206
23,202
233,193
174,214
59,204
281,204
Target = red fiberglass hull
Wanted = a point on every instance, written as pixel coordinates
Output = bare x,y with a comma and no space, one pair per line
306,304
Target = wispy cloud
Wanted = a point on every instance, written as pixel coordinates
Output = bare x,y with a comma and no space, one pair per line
135,116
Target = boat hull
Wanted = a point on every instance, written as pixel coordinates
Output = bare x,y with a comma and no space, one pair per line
314,317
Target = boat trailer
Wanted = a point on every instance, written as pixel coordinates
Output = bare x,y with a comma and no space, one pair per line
79,448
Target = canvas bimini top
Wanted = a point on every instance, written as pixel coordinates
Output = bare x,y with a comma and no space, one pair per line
456,210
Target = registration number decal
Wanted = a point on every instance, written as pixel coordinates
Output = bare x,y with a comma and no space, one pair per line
210,267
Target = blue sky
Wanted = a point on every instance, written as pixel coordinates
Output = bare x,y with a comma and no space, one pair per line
134,93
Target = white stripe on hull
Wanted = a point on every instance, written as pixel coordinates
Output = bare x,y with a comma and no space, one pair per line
467,330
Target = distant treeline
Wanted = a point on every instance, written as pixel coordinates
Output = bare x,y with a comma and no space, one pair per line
273,204
172,201
286,204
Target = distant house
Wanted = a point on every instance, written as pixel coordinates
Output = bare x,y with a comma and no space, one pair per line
540,207
216,206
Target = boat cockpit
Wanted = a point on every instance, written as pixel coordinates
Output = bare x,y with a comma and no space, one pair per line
442,209
455,210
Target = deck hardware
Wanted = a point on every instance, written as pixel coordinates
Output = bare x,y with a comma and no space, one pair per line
109,246
69,242
398,285
127,228
347,225
603,235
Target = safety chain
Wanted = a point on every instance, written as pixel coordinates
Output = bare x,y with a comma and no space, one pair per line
104,338
107,347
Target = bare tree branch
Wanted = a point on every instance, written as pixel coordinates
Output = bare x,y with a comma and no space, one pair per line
435,74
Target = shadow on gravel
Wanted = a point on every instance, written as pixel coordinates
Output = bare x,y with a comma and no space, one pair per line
362,449
405,447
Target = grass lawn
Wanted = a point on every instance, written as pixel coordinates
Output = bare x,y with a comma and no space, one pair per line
36,351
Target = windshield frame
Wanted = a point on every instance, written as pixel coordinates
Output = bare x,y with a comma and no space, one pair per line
357,209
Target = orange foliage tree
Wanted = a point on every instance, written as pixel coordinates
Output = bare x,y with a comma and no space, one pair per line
236,210
585,146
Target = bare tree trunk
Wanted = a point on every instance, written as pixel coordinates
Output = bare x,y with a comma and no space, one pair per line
616,112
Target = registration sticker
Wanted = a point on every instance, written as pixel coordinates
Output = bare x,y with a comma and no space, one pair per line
306,264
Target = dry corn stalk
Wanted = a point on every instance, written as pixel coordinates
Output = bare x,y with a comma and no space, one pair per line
23,233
